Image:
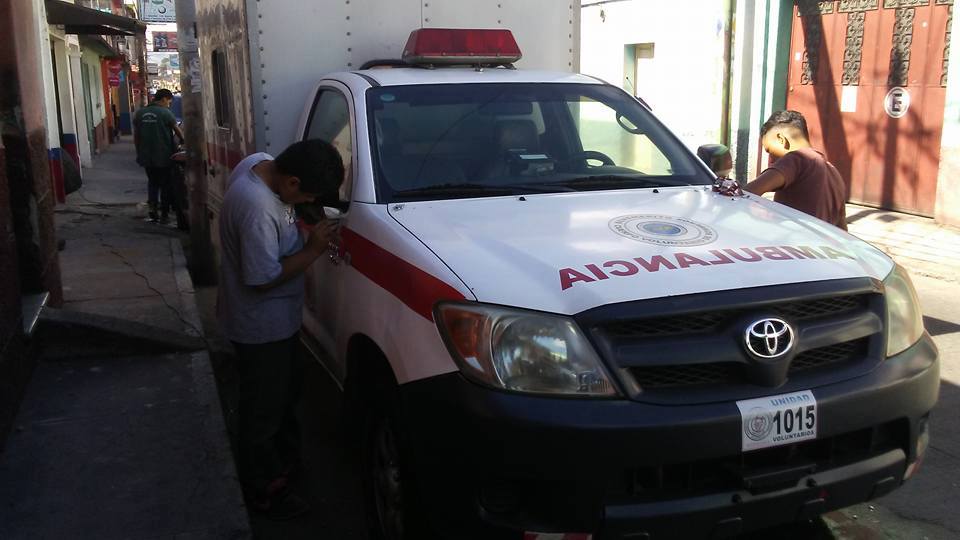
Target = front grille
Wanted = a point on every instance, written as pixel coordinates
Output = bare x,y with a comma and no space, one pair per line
825,356
735,472
686,375
801,311
698,323
709,322
650,377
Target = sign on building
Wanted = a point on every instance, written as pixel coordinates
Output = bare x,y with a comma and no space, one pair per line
164,42
157,11
115,72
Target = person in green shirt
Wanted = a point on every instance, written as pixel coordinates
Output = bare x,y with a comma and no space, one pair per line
154,128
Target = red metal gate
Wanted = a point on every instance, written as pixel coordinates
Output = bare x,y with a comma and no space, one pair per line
871,76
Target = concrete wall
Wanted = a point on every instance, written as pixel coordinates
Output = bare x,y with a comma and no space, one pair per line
683,81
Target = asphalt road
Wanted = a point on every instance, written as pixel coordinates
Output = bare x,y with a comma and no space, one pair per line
924,508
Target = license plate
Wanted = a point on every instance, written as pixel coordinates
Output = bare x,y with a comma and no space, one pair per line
778,420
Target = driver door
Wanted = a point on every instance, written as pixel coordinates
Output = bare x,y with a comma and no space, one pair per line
331,120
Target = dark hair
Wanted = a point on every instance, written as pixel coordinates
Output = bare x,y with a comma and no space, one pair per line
791,119
162,93
316,163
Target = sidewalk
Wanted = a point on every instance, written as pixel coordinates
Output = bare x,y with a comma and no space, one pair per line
121,434
921,245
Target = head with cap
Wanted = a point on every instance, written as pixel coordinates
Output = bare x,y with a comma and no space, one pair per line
783,132
307,171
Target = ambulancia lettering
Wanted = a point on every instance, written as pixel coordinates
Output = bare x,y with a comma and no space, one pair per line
590,273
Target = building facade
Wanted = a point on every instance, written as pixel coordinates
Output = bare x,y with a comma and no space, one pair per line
872,77
54,98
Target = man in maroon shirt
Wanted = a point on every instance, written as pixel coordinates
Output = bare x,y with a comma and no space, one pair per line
800,176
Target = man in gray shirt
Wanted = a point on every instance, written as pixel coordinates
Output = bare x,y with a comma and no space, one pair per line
260,304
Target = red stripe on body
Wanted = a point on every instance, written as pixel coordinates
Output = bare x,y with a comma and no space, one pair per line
223,155
417,289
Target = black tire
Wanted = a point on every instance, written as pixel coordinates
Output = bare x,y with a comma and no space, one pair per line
393,512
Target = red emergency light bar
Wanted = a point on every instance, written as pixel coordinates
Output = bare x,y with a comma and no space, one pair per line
461,46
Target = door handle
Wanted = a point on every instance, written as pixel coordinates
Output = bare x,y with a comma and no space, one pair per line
334,249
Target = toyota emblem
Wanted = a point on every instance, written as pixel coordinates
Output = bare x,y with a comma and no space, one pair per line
769,338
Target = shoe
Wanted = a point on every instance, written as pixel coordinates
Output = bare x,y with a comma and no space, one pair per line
152,216
280,506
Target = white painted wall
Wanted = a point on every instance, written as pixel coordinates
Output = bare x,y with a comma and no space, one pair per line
96,85
683,82
76,75
46,61
753,81
947,209
65,83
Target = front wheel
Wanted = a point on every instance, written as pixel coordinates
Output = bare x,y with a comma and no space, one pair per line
392,509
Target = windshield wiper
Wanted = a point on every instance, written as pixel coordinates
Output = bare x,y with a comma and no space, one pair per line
485,189
614,180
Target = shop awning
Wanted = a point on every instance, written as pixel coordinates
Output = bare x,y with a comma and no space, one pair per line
81,20
98,45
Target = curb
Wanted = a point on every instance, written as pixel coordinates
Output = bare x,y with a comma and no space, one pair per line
235,522
147,334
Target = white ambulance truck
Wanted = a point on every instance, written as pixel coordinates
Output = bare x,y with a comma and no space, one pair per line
546,322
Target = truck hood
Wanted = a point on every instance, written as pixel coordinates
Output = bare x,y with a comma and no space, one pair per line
569,252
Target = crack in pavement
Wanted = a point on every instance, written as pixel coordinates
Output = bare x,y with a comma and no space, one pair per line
113,249
942,451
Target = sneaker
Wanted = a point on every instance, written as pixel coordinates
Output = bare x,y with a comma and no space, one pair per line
164,219
152,216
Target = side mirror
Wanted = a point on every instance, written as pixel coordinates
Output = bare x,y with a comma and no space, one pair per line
332,213
717,157
313,213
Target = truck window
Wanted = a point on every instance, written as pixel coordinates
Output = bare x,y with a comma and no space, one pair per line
534,137
330,122
221,87
600,131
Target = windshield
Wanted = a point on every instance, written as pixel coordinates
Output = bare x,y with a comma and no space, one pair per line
476,140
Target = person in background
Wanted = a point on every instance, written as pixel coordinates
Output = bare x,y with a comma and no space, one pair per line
800,176
260,305
154,127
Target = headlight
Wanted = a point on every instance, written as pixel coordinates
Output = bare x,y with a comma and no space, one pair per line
522,351
904,319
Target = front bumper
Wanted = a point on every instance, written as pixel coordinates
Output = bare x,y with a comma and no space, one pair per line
489,464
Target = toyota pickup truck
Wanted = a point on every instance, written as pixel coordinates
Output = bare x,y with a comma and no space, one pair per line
546,320
548,324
